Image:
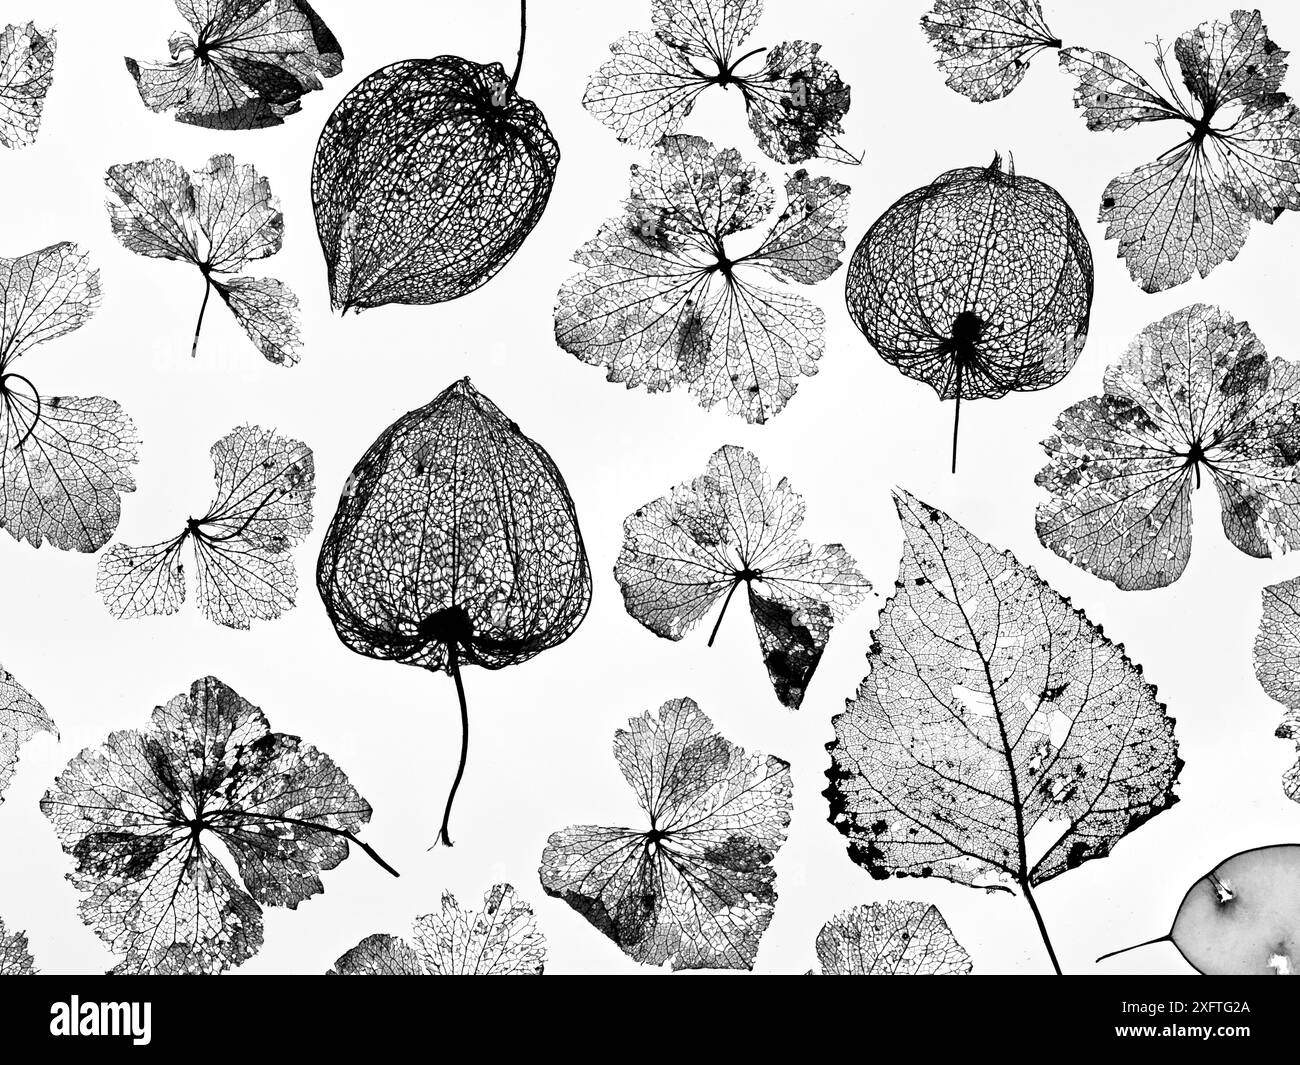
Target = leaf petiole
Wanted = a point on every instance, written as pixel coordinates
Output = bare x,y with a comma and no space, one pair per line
723,612
1042,928
207,291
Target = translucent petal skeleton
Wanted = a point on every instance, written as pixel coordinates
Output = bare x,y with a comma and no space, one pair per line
244,571
696,889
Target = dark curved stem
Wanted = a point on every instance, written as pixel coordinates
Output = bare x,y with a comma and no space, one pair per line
731,67
454,662
723,612
1124,950
207,291
35,417
323,828
956,420
519,58
1042,928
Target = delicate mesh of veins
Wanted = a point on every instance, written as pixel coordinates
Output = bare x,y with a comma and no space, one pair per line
243,562
890,939
985,46
427,179
696,889
697,545
665,299
140,815
1195,392
219,219
1239,158
978,284
21,718
455,543
247,64
1000,738
26,73
15,957
794,99
501,939
64,460
1277,665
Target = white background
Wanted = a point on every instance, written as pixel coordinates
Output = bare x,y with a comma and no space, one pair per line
540,744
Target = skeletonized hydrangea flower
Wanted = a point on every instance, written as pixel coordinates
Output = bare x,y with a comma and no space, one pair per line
218,219
664,300
1194,395
138,815
1238,160
728,527
15,957
501,939
985,46
244,570
247,65
64,460
26,72
21,717
794,99
696,888
890,939
1277,665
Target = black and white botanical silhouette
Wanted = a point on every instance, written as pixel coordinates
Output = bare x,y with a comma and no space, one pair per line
795,101
26,73
890,939
501,939
1242,918
978,284
64,460
663,300
985,46
1277,665
428,177
245,65
729,527
693,888
244,570
1238,159
21,718
140,814
1194,397
455,543
219,219
1000,739
15,957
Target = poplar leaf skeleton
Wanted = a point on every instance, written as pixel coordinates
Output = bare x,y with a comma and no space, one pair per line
664,300
1000,739
137,815
244,570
